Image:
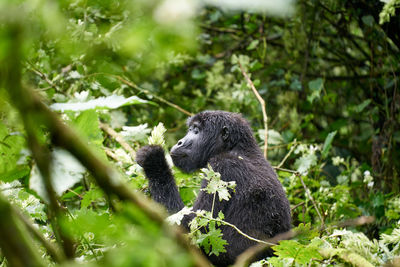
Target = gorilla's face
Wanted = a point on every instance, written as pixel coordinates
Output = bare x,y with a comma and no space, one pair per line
199,144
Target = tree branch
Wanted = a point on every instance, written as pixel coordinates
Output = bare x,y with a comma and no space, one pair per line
110,131
31,118
16,245
262,102
53,251
63,136
107,178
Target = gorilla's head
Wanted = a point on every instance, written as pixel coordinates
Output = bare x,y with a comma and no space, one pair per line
210,133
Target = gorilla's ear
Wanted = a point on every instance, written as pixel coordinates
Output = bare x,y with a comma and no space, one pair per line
225,133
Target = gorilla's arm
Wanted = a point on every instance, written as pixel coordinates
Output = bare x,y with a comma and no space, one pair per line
161,181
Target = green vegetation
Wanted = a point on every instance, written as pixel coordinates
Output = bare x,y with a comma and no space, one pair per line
85,83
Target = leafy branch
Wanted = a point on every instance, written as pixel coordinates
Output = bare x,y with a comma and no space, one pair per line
27,102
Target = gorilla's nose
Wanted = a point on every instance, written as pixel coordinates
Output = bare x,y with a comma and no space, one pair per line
175,148
179,148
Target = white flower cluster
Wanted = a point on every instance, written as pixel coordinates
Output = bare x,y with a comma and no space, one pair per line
123,157
82,96
157,135
307,149
355,175
133,169
337,161
368,179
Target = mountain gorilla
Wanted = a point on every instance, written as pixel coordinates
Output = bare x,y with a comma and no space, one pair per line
224,140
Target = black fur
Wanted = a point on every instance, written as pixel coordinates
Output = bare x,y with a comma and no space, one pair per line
259,206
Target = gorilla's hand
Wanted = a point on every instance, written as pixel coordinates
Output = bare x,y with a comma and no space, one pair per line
152,160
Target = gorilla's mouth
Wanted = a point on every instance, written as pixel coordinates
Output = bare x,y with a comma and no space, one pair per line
175,155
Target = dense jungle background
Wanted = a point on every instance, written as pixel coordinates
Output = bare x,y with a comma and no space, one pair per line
85,83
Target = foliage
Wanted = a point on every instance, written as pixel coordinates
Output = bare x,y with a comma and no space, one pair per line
204,227
329,77
215,185
389,9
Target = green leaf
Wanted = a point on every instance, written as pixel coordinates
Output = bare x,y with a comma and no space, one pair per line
304,163
137,133
216,185
253,45
17,173
274,137
368,20
66,171
316,87
359,108
301,254
279,262
109,102
91,196
11,165
212,242
176,218
87,123
328,144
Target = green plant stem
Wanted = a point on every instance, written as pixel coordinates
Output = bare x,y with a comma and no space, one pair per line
312,200
213,204
238,230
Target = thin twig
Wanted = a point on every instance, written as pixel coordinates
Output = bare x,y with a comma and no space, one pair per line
306,189
147,92
111,154
312,200
42,75
110,131
223,30
285,170
262,102
239,231
75,193
298,205
287,156
285,145
131,84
